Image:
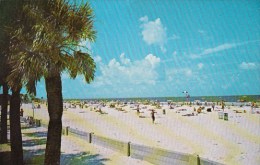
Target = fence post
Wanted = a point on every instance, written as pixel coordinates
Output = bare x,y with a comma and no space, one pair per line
67,130
128,149
90,137
37,122
194,159
63,131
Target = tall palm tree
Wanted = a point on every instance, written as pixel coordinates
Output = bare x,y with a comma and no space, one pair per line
4,104
4,19
46,43
15,128
10,9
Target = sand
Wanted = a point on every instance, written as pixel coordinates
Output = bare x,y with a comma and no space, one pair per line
236,141
74,151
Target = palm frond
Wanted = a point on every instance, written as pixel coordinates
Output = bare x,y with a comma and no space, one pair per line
45,40
81,63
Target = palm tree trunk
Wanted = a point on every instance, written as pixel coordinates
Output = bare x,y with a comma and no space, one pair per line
55,109
4,114
15,129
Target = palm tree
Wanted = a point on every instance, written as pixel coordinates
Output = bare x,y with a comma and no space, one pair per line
4,103
15,128
10,9
3,71
46,43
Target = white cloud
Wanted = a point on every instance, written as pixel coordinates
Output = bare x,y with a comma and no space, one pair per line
170,74
201,31
185,78
97,59
248,65
200,65
124,60
153,60
153,32
188,72
114,64
163,49
174,37
128,72
144,19
216,49
178,73
174,53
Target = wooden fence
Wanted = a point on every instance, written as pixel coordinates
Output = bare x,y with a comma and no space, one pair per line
153,155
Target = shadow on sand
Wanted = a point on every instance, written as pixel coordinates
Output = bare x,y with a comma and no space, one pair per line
36,134
34,152
82,158
34,147
37,157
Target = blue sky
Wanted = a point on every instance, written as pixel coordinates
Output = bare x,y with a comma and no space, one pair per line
156,48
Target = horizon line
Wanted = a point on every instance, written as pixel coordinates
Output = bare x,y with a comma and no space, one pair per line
142,97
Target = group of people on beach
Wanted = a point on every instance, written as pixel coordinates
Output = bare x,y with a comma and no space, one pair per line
152,113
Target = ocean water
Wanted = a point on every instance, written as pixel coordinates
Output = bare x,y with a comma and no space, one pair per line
245,98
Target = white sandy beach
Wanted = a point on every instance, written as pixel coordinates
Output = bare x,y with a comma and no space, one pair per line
236,141
74,151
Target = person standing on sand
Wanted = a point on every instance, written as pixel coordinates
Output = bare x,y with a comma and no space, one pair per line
213,106
152,115
222,104
252,107
21,112
138,110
